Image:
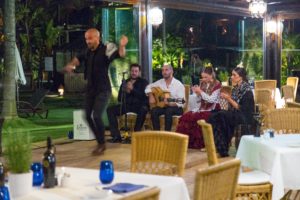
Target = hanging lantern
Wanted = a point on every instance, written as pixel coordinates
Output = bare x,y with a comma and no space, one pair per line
155,16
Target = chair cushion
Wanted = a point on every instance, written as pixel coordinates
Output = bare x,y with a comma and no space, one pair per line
253,177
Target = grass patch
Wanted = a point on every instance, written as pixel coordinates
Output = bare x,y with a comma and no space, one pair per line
37,131
57,125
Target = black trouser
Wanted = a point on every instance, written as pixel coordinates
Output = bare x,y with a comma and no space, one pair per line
114,111
94,108
168,112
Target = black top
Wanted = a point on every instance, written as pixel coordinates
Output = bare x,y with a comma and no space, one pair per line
137,96
96,68
246,109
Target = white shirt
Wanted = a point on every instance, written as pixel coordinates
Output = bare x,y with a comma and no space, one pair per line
195,100
176,89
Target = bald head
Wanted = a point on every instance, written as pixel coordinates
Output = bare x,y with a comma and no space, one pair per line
92,38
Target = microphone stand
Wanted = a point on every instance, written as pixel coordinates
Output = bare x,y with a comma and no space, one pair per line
126,136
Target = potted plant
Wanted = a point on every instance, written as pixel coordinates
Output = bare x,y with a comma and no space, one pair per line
17,155
223,77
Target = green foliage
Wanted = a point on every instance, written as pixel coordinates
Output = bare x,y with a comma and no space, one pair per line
17,152
28,17
252,58
223,76
290,58
50,37
174,53
37,33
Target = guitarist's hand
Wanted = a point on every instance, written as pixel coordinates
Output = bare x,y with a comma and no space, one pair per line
167,103
151,98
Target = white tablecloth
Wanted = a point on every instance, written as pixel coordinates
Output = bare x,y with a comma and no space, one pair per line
279,157
84,182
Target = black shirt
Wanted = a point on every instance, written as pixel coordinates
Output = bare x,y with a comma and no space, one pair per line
137,96
96,68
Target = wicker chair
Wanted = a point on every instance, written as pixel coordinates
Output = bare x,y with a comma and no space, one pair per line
288,93
267,84
259,188
176,117
293,81
292,105
149,194
131,119
263,98
218,181
158,152
223,103
285,120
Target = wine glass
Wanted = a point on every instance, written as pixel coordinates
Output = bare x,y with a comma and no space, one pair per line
106,174
37,172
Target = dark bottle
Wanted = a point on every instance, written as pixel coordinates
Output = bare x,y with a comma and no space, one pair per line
49,162
2,175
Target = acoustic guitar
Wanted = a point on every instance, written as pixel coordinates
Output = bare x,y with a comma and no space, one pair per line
160,95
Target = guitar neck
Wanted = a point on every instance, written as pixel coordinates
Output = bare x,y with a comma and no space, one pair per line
176,100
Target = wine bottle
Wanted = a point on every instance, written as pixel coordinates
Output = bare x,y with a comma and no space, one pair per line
2,175
49,162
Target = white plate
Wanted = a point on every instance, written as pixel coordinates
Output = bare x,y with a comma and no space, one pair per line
96,195
295,145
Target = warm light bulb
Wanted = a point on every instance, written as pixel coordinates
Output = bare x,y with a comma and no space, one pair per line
61,90
271,26
155,16
257,8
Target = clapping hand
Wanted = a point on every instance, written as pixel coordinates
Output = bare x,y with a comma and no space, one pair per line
123,41
196,89
129,86
225,96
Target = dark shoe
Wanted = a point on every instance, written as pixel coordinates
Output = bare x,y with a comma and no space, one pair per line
99,150
115,140
223,154
126,140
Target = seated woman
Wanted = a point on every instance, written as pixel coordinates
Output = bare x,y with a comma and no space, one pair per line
208,94
241,108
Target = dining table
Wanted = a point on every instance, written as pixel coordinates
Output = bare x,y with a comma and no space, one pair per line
278,156
84,184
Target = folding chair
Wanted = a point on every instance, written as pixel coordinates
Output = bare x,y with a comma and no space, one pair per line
34,105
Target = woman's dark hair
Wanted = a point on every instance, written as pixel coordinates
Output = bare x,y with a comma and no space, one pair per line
242,73
210,71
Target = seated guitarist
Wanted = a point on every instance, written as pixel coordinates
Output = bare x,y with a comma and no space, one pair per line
175,90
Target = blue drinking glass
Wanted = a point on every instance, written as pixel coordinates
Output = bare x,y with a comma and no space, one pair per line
37,172
106,174
4,193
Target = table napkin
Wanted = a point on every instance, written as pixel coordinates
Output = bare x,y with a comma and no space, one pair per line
123,187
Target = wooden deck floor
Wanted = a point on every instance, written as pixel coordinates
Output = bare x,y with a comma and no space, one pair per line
78,154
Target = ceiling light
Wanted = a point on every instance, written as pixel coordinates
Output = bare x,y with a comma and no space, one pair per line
155,16
257,8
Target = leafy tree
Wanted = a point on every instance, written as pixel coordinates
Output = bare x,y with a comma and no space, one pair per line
174,53
253,56
290,58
